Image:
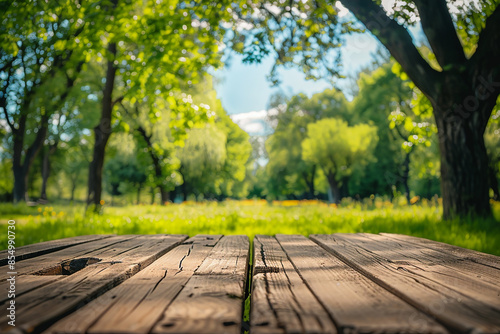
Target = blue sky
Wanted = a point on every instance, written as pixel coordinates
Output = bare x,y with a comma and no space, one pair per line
244,88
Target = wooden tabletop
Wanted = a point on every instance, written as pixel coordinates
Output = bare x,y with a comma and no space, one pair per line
338,283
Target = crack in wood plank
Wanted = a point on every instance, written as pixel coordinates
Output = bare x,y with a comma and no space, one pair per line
212,299
41,307
137,304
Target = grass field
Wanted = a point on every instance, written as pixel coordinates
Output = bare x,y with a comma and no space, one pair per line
36,224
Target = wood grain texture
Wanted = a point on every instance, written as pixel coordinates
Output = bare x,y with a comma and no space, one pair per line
51,262
137,304
458,311
29,251
463,253
281,302
212,300
38,309
26,284
472,279
356,303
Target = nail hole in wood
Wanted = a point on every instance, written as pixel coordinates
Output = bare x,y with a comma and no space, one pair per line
168,324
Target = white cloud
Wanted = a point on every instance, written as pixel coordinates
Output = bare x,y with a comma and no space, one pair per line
254,127
251,115
256,123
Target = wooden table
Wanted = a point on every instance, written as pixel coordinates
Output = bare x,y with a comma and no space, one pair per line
338,283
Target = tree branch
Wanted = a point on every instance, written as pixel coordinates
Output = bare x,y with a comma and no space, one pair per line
70,82
33,149
399,43
488,45
438,27
118,100
398,131
3,103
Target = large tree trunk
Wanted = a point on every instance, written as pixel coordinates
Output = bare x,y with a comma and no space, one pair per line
20,167
464,166
102,133
464,162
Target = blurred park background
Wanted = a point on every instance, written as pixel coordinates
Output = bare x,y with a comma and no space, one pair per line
126,116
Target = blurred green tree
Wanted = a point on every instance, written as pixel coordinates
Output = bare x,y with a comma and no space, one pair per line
202,159
338,149
288,172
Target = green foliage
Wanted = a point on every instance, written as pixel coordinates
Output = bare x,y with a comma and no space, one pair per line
202,159
492,134
123,170
422,221
338,148
380,92
238,149
289,173
305,34
492,142
6,182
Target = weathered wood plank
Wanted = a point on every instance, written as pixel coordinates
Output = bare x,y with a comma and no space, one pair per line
281,302
137,304
356,303
38,309
51,262
49,265
464,253
451,307
27,283
212,300
472,279
29,251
